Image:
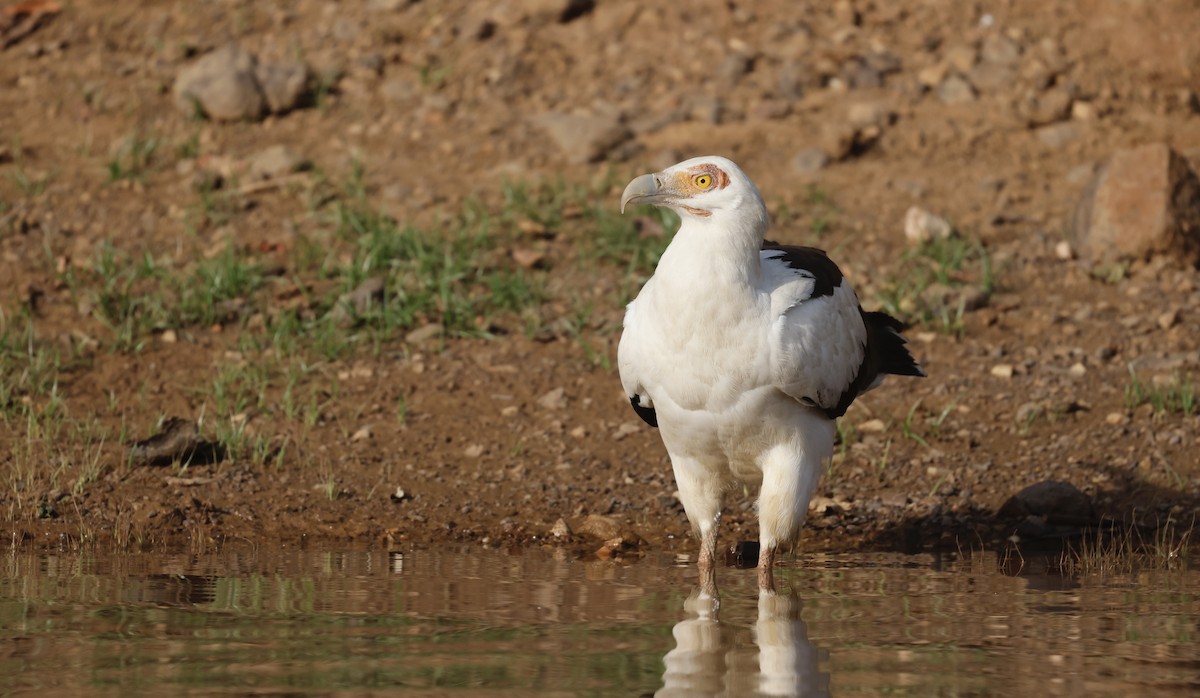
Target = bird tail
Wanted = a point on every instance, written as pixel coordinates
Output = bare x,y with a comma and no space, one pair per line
892,354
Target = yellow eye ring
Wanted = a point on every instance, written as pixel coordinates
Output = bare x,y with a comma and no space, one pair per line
702,181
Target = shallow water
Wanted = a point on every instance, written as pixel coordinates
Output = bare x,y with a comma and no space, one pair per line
487,623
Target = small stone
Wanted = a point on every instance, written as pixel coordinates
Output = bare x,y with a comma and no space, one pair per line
810,161
921,226
626,429
473,451
423,334
1064,251
602,527
732,68
962,58
1048,107
1115,418
168,336
999,49
560,529
365,432
554,400
864,114
956,90
1077,370
222,85
1083,111
1002,370
274,161
528,258
400,495
510,411
872,426
1168,319
583,139
283,84
354,304
1058,135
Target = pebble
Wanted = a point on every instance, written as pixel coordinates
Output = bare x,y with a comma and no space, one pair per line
554,400
223,84
810,161
1002,370
1058,135
956,90
425,333
365,432
1168,319
560,529
872,426
583,139
921,226
1064,251
1077,370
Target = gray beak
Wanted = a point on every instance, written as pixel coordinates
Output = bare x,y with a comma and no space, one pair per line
646,189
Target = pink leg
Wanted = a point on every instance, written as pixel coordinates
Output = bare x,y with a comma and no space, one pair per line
766,569
707,562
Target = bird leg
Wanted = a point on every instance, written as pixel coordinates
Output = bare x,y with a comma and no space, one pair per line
766,569
707,561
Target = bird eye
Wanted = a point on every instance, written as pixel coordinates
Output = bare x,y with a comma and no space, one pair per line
702,181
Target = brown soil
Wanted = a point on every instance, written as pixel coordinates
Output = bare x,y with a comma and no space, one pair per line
440,101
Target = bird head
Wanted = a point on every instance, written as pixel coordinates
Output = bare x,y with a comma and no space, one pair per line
702,187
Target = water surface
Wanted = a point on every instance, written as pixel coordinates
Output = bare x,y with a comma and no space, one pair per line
477,622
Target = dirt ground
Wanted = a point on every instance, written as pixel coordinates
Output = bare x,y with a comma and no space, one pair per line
154,264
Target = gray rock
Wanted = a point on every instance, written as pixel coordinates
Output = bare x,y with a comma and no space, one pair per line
358,302
992,76
583,138
999,49
274,161
810,161
1143,201
222,85
283,84
956,90
1047,107
1058,135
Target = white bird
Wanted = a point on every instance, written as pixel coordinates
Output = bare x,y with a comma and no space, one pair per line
743,352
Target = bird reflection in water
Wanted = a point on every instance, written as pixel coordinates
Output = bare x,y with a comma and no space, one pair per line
712,658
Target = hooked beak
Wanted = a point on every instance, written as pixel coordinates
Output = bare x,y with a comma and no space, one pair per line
647,189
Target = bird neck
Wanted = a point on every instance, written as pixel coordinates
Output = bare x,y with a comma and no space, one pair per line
721,249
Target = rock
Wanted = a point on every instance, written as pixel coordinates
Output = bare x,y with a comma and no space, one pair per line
560,529
1058,135
602,527
1047,107
1058,503
626,429
956,90
1143,201
400,495
1168,319
358,302
987,77
866,114
555,400
1002,370
222,84
810,161
1064,251
274,161
528,258
423,334
364,432
921,226
962,58
1000,50
283,84
583,138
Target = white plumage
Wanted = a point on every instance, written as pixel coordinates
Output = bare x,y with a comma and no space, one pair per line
743,352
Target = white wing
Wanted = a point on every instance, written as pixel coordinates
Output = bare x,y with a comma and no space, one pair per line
817,336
